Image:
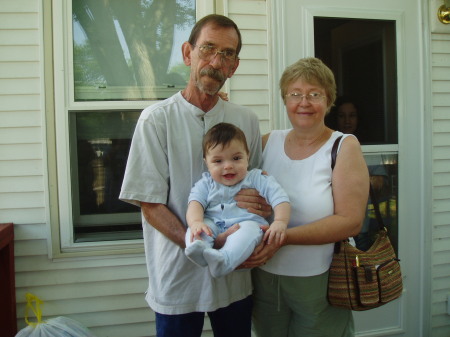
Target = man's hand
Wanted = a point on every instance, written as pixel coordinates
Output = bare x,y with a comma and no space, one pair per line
165,221
251,200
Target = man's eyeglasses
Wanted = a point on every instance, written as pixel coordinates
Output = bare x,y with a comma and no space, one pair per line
208,52
296,97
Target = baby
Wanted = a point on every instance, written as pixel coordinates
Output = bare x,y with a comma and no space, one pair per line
212,208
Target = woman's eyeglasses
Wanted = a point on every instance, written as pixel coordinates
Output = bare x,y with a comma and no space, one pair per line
296,97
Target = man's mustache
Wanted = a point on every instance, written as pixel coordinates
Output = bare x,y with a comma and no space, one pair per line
213,73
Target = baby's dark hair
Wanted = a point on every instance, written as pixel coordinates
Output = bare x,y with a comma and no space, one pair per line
223,134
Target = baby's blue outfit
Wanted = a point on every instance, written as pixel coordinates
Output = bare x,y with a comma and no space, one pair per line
221,212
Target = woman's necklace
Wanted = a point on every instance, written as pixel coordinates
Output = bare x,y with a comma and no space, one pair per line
301,151
318,137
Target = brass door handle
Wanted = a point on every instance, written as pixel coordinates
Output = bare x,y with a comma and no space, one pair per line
444,14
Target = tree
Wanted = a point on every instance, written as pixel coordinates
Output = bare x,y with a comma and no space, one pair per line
148,28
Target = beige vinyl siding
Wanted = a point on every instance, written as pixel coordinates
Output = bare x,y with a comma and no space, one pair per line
22,180
440,320
250,84
101,294
106,294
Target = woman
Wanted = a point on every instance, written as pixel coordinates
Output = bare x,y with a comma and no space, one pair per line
344,116
290,286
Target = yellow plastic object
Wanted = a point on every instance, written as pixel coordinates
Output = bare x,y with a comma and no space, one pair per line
33,304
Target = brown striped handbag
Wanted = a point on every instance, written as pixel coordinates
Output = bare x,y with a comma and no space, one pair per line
362,280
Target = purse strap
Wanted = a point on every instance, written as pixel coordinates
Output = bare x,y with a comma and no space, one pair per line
334,151
337,245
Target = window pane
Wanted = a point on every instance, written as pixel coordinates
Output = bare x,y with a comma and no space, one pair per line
129,50
362,55
383,170
102,141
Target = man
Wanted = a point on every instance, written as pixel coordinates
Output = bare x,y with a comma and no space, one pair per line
165,161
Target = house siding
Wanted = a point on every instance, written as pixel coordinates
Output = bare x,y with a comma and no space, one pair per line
250,84
440,67
105,294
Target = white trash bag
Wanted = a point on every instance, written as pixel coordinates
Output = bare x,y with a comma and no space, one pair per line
55,327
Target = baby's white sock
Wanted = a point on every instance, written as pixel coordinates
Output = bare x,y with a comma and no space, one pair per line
194,252
216,262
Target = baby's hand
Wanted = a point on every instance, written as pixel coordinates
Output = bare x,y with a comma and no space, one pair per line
276,233
197,229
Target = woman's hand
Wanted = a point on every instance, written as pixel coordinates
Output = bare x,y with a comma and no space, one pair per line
252,201
262,253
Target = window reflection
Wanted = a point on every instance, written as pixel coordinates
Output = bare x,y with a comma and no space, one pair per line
383,170
102,144
129,50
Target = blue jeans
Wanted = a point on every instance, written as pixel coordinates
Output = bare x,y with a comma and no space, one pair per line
234,320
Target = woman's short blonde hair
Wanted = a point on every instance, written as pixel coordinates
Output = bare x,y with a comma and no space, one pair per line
311,70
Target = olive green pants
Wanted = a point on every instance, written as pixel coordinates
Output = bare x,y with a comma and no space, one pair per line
290,306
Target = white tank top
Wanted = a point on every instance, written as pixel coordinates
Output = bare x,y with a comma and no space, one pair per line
308,184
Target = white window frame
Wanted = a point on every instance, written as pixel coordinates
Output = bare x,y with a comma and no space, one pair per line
61,219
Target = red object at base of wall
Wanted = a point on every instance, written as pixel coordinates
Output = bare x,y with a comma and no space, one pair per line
8,319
